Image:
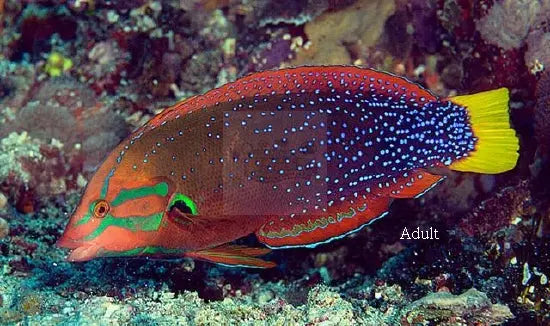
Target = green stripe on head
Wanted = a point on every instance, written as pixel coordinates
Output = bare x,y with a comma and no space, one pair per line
134,224
84,219
160,189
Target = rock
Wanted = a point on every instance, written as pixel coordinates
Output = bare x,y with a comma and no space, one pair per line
4,228
326,307
471,307
3,201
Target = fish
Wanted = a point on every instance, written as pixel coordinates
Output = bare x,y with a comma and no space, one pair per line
298,156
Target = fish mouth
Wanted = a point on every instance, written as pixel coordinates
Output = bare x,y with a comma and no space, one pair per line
83,253
79,251
68,242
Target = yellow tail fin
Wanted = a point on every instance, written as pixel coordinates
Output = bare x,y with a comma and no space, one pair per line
497,146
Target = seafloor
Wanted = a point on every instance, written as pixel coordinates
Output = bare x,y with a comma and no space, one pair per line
77,76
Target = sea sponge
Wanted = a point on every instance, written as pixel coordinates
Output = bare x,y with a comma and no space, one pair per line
46,121
508,22
537,56
67,111
361,23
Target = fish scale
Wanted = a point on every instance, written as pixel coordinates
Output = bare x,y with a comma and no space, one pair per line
372,152
298,156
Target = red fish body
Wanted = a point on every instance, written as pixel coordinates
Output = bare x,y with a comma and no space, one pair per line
297,156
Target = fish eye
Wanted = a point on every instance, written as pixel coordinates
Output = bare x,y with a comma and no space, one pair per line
101,208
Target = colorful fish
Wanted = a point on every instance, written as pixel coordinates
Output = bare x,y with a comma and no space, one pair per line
298,156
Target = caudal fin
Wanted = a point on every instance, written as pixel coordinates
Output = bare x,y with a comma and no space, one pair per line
497,146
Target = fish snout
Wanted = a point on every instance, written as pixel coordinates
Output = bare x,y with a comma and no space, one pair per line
67,242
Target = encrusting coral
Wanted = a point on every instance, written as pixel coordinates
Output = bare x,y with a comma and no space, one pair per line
331,33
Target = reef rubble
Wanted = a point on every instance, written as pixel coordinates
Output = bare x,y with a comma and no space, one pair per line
77,76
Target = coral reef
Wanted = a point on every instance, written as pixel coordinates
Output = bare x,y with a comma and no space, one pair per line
76,77
508,33
542,112
14,148
330,34
512,24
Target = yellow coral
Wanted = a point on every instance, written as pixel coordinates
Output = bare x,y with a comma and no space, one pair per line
57,64
31,304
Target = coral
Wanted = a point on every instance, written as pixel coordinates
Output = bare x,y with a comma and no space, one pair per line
508,22
56,64
532,281
499,211
328,307
67,111
329,34
59,132
47,121
30,304
81,5
16,83
13,149
537,56
426,26
208,64
542,113
105,65
324,306
144,17
3,201
291,12
4,228
272,54
37,26
443,307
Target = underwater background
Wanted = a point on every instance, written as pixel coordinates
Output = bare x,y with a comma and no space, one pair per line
78,76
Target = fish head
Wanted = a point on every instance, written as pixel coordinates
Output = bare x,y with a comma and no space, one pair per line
119,216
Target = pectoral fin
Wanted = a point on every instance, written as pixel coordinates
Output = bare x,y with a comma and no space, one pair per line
234,255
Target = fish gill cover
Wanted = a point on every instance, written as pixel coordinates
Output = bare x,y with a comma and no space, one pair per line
82,79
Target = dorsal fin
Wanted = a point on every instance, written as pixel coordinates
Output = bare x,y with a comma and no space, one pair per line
296,80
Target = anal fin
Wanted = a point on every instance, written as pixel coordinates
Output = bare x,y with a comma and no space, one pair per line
414,184
312,230
234,255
